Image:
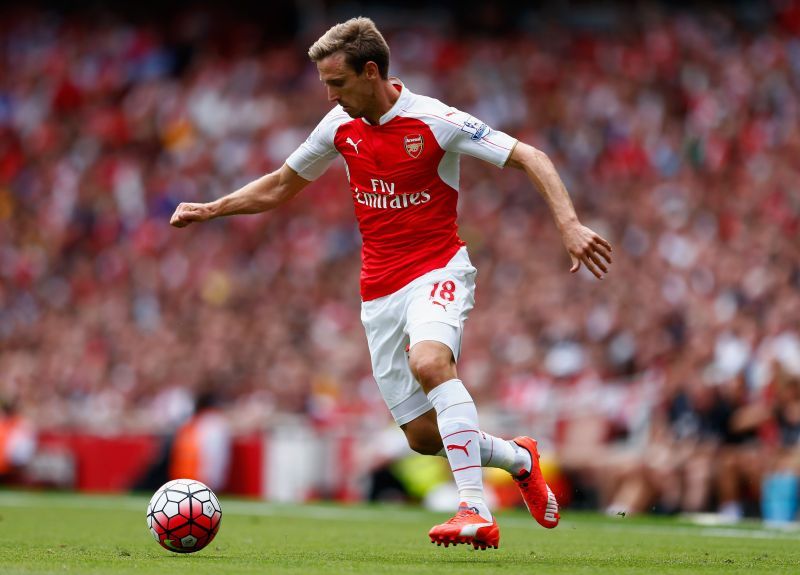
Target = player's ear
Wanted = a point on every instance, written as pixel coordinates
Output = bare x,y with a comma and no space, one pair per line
371,70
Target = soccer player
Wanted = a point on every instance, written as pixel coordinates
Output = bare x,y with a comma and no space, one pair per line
402,151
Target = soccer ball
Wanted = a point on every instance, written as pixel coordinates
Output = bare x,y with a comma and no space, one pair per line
183,515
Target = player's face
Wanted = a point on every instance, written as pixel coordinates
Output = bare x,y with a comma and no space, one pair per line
354,92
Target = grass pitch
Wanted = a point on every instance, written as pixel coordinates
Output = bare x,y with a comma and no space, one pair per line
65,533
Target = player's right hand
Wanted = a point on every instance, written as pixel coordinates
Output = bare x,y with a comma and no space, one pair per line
186,213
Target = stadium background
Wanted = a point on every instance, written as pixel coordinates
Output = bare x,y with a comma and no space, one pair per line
673,385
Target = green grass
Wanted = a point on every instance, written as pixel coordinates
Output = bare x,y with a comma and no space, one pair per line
64,533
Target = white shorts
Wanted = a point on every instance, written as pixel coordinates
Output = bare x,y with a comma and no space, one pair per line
433,307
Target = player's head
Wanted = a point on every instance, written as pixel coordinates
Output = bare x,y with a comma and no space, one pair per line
352,59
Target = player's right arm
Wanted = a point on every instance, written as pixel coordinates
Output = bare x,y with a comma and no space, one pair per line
261,195
303,166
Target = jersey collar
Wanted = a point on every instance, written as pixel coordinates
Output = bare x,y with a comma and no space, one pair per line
402,102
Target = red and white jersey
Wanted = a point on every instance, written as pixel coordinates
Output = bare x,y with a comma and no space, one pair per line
403,175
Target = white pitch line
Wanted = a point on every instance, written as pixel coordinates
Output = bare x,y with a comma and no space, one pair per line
362,514
726,532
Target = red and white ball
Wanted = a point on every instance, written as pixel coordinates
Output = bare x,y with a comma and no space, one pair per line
184,515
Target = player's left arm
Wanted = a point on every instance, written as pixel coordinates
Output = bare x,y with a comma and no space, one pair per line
584,245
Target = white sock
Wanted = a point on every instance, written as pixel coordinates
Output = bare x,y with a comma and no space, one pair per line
501,453
504,454
458,425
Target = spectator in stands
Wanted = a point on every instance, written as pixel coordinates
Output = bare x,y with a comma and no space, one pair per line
201,448
17,441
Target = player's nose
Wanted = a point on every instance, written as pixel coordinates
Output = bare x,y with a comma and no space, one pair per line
333,95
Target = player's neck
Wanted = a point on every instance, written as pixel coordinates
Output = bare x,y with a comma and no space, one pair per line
386,97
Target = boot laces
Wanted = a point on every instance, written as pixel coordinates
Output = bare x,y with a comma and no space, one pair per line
463,512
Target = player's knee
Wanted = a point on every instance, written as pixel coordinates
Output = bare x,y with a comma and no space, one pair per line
425,445
422,434
431,368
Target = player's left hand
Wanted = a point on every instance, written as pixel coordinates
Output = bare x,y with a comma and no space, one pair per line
585,246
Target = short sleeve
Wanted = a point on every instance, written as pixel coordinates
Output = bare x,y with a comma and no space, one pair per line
315,155
465,134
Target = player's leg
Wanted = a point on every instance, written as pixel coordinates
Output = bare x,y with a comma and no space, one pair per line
438,307
384,323
407,401
457,423
433,366
423,437
519,457
423,434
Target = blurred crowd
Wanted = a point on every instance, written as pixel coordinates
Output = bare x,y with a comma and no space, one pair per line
673,383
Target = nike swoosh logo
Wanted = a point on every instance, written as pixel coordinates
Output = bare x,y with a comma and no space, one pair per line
472,529
168,543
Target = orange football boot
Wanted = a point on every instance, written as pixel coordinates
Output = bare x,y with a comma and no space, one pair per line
538,497
467,527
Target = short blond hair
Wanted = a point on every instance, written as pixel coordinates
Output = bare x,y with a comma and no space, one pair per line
359,40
